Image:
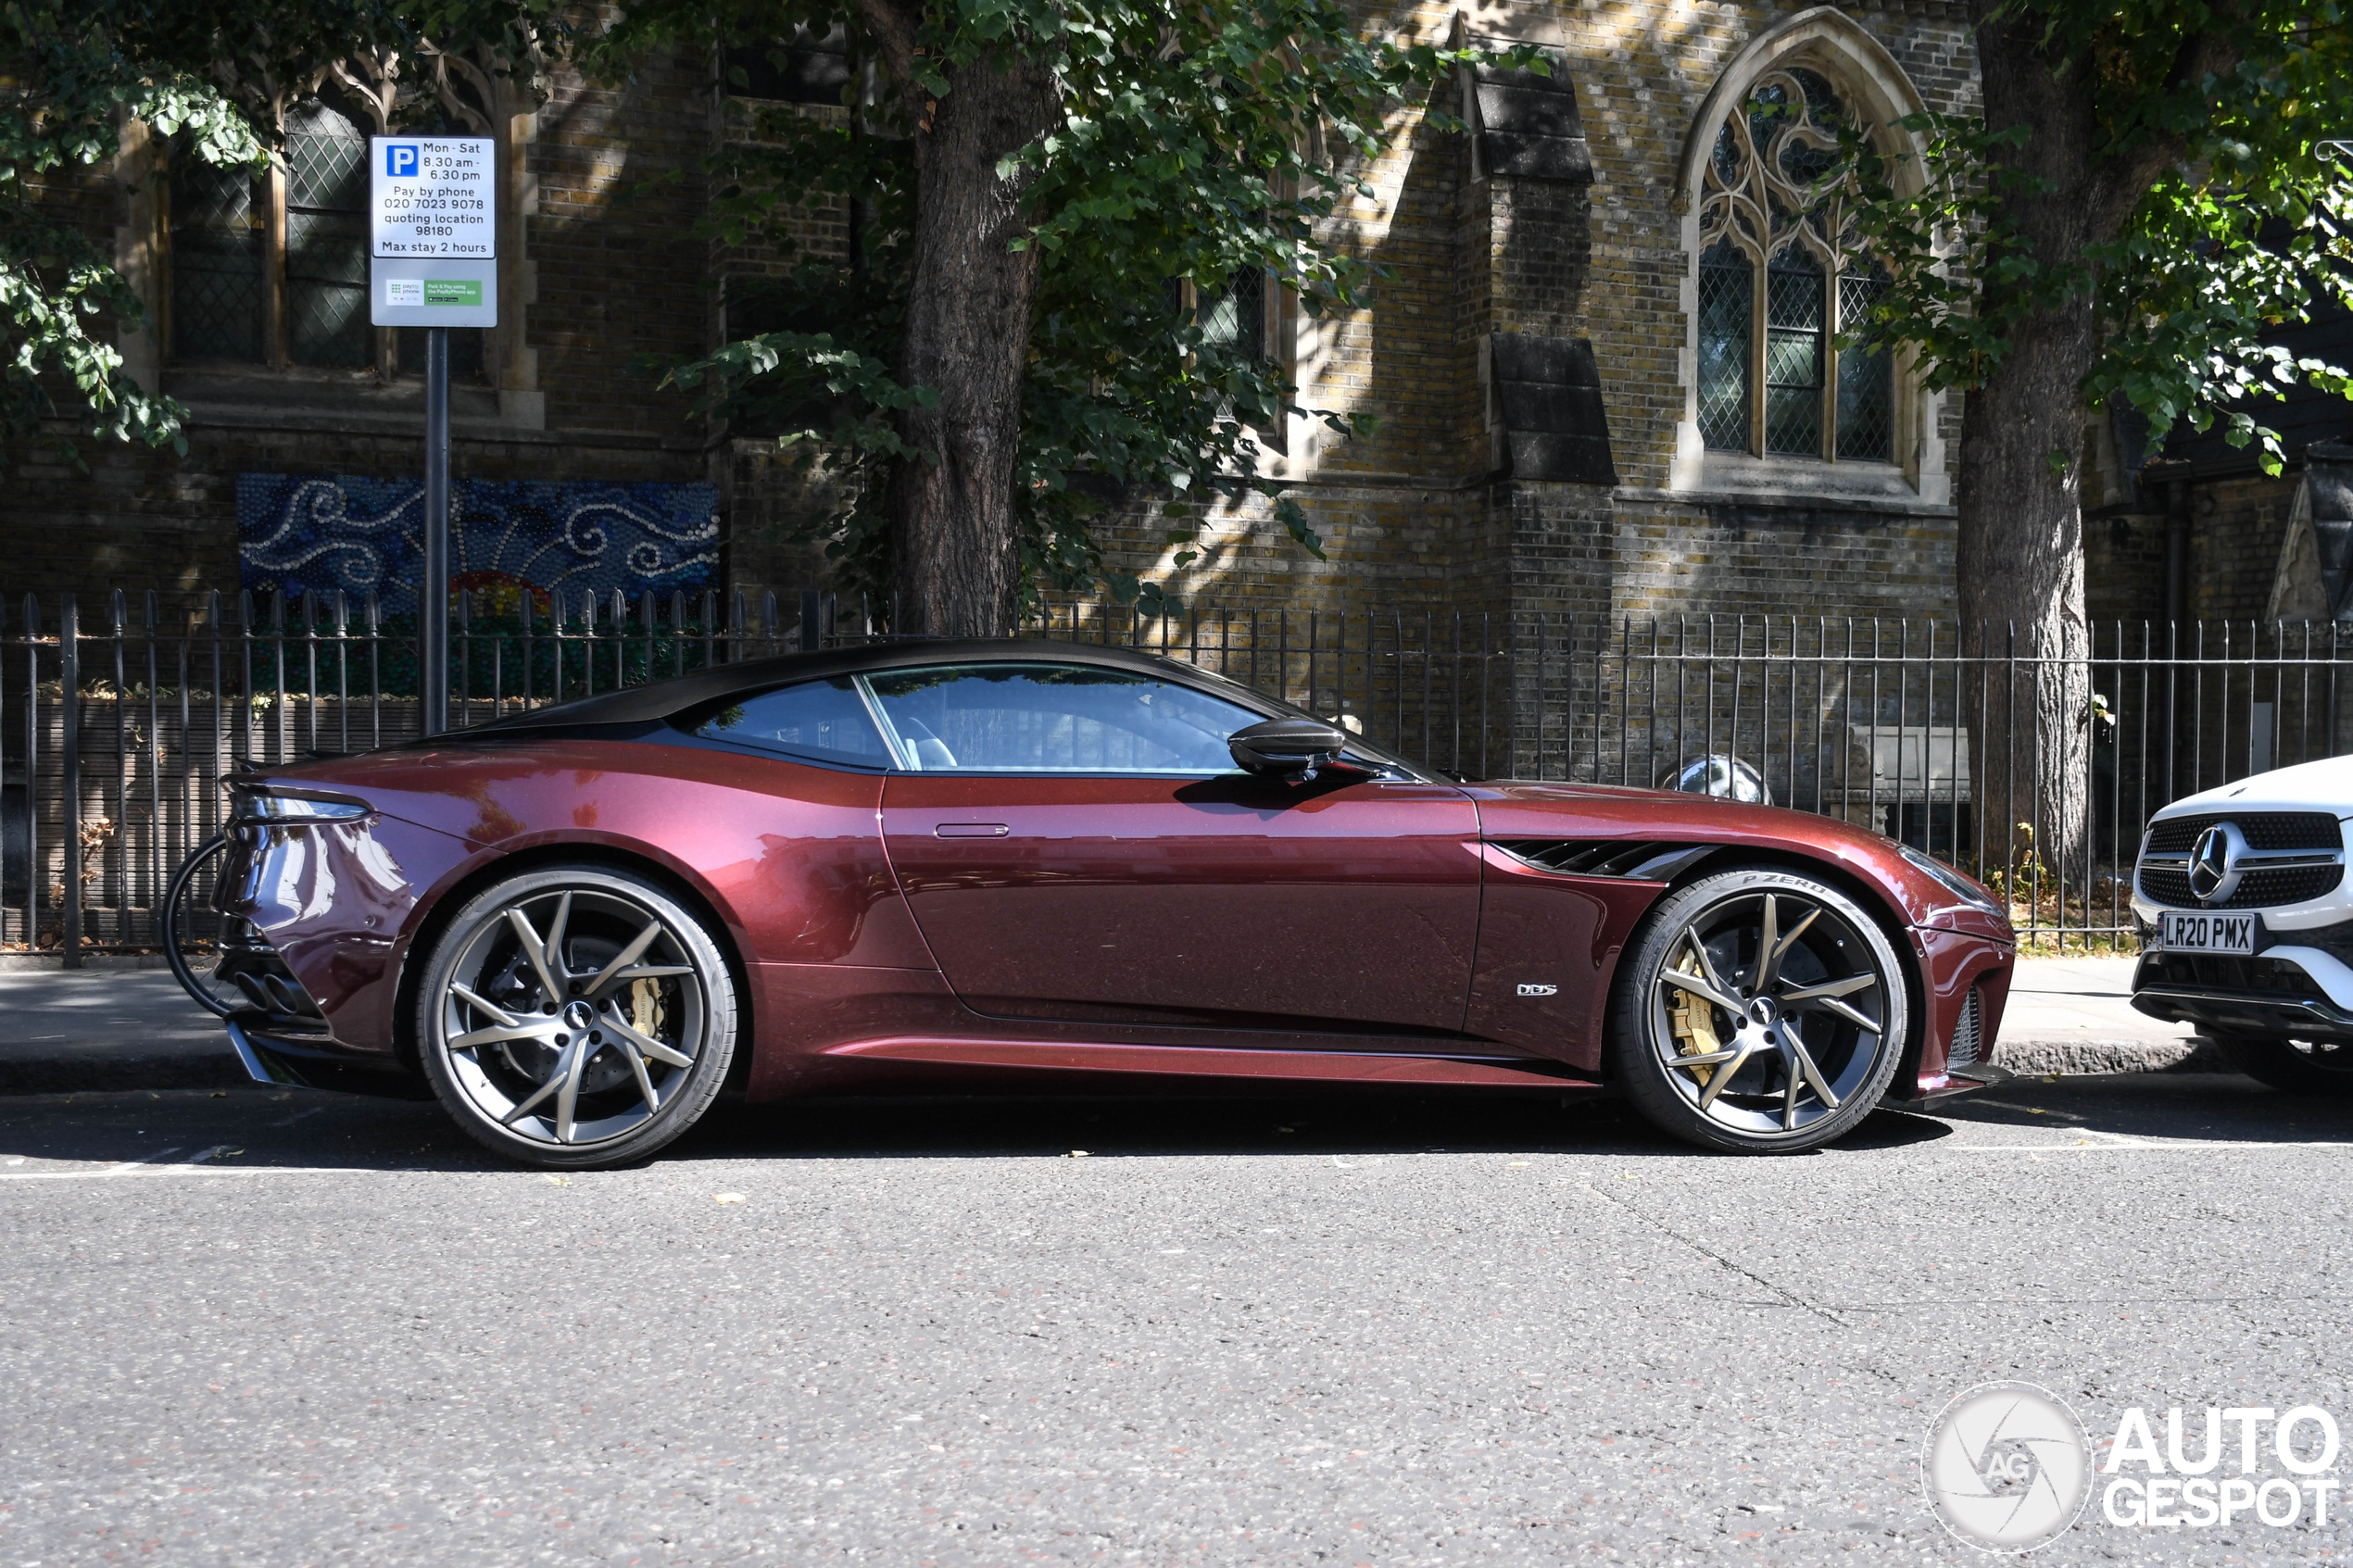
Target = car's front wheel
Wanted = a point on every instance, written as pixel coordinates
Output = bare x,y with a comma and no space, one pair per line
576,1017
1759,1010
2299,1067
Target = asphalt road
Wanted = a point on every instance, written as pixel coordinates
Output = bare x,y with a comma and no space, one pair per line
263,1327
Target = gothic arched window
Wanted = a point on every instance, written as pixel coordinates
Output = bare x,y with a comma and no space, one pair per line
1781,276
274,270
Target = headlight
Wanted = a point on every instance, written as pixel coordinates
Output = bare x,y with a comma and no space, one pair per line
1966,888
253,806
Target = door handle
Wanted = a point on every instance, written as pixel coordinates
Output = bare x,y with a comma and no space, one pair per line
969,830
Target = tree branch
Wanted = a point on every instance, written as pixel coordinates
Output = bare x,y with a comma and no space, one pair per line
893,23
2123,177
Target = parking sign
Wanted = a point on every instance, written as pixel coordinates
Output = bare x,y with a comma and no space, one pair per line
432,196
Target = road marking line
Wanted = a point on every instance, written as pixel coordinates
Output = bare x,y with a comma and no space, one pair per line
214,1171
2200,1147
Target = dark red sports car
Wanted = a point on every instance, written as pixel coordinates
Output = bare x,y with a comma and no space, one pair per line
905,864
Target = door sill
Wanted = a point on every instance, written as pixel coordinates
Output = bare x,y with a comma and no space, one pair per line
1218,1061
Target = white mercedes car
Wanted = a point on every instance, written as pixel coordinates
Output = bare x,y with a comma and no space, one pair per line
2247,922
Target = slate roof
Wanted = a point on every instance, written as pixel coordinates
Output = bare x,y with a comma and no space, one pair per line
1527,125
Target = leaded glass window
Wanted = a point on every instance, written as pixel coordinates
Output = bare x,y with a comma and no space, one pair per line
327,240
1236,316
1782,275
1727,306
216,258
244,289
1865,377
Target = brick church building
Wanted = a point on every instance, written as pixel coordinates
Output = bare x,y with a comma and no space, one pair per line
1602,353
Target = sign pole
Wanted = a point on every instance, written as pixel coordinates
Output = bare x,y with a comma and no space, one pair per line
432,592
433,254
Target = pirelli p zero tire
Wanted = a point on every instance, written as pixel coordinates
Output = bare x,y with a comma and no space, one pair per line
576,1017
1758,1010
2317,1068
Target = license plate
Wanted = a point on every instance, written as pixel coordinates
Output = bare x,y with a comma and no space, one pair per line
2205,933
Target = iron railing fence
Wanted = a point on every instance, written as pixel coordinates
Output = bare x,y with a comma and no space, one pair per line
1887,723
1953,750
102,797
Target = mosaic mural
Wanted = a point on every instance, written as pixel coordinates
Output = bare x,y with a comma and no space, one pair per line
308,532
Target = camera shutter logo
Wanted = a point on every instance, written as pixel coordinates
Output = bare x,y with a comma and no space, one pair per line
2008,1467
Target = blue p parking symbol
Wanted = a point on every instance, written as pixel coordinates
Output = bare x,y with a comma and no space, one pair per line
401,160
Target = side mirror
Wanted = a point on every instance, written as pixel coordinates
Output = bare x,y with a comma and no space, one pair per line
1289,749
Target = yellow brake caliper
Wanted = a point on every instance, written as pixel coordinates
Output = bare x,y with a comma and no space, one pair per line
1694,1022
645,1007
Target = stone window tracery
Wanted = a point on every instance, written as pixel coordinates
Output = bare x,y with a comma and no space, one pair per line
1782,273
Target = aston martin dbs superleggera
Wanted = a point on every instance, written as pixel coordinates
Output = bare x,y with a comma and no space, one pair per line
928,862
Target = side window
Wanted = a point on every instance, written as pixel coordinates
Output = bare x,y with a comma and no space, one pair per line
1055,719
824,720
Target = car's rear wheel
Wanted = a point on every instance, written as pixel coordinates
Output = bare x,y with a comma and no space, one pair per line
576,1017
2296,1066
1759,1010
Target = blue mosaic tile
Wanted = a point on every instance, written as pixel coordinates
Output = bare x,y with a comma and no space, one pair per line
298,532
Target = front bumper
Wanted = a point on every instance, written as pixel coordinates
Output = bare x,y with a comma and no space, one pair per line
274,1054
2283,990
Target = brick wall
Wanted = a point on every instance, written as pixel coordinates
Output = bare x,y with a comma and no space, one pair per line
1413,514
1555,259
2235,529
620,278
623,275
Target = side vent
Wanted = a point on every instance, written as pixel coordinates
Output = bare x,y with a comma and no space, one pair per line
1968,1036
1632,859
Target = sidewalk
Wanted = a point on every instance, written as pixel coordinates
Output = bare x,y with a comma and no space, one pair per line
108,1027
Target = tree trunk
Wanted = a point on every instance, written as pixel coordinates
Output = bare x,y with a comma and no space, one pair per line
954,548
2020,555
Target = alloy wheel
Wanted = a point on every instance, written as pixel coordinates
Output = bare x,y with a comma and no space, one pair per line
1769,1012
572,1016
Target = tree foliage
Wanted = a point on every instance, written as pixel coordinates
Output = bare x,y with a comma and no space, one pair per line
1189,145
73,73
2239,226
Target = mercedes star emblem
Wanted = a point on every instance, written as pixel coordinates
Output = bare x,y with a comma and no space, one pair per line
2214,863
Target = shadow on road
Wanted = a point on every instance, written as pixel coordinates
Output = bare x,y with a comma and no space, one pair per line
301,1128
252,1128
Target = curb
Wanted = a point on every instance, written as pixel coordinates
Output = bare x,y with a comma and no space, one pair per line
2080,1057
